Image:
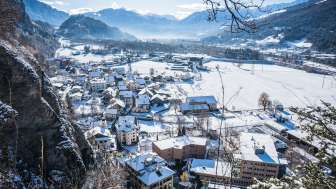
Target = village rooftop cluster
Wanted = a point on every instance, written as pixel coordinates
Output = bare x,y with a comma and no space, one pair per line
163,139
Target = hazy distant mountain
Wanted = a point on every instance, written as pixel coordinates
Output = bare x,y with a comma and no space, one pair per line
82,27
311,22
148,26
132,22
194,26
154,25
224,18
40,11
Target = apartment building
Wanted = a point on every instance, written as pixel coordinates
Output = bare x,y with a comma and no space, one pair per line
258,157
180,148
149,171
127,130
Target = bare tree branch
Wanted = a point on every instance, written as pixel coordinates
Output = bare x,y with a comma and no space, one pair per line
239,11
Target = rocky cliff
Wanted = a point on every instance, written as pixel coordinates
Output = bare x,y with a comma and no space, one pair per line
36,132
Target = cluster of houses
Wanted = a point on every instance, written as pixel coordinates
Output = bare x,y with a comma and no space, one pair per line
257,157
114,103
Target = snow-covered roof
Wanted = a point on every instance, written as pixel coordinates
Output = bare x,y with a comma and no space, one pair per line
140,81
97,81
98,131
202,99
276,126
180,142
76,95
154,176
127,94
122,87
258,148
150,168
111,111
126,124
119,103
314,141
158,96
208,167
95,73
142,100
189,107
146,91
120,70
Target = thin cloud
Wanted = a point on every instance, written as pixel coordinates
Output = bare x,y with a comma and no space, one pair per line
53,3
80,11
115,5
185,10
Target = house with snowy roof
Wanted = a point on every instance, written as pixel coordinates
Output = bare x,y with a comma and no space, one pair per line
147,91
186,108
127,97
101,139
215,172
158,99
97,85
110,113
110,80
118,104
140,83
149,171
120,70
127,130
142,103
258,157
96,73
122,85
199,104
206,100
180,148
80,79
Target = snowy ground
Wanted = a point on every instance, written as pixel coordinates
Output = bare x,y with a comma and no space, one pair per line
244,85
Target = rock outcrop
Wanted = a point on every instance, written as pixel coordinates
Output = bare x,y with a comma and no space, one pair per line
37,129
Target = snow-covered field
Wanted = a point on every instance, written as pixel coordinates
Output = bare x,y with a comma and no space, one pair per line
244,85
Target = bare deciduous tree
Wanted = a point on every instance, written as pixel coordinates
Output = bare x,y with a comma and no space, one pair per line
264,101
239,13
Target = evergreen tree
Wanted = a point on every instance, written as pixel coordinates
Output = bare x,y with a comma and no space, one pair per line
320,123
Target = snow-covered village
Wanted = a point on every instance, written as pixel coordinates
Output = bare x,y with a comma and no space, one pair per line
110,99
182,108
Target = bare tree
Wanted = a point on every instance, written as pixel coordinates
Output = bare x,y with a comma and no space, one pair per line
239,13
264,101
108,173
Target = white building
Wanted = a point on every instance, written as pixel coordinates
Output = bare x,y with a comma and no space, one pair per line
149,171
118,104
110,80
80,79
142,103
127,97
101,139
127,130
110,113
97,85
258,157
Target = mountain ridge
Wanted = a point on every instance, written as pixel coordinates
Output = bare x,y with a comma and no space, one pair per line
83,27
309,22
38,10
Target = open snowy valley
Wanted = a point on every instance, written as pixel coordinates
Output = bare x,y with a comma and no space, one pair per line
207,94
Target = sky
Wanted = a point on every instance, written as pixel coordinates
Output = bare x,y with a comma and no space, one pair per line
177,8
